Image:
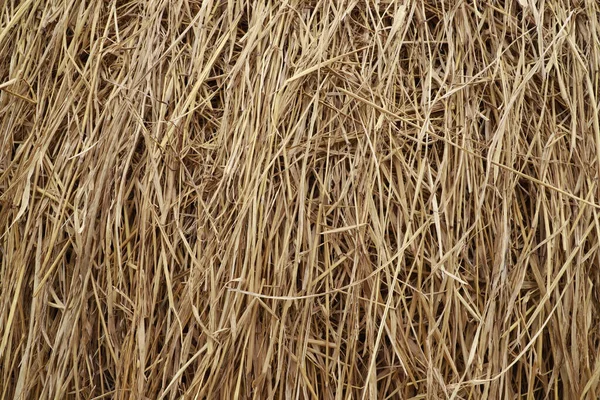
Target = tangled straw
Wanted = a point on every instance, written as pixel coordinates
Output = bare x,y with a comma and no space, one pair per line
299,199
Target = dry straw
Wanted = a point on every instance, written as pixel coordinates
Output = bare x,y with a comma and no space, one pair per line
299,199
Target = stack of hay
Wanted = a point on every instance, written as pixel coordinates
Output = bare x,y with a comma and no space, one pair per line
299,199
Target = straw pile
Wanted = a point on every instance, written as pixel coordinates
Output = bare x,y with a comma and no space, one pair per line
299,199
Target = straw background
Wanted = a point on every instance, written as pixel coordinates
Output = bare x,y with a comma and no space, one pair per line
299,199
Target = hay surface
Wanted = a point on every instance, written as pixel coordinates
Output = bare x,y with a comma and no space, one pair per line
294,199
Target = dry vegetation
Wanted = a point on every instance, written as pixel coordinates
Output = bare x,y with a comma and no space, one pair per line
299,199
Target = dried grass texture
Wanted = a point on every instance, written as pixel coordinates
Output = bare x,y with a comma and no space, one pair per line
299,199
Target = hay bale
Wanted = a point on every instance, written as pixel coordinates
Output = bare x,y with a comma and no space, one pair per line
299,199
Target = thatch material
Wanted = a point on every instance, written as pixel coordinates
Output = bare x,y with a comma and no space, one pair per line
299,199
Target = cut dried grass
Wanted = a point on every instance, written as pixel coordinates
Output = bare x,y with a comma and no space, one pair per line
299,199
